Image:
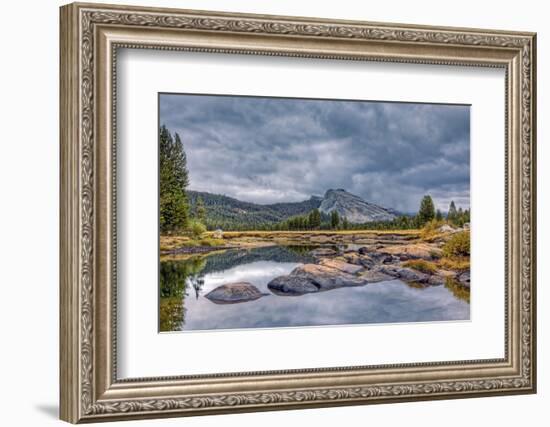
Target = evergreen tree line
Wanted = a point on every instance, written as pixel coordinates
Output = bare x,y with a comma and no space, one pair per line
174,179
174,207
426,213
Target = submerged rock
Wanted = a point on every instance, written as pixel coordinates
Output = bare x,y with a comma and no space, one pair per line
233,293
323,252
440,277
375,276
437,280
464,279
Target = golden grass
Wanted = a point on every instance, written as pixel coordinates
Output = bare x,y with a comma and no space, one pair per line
169,242
431,229
328,233
173,242
252,239
455,263
421,265
207,241
458,245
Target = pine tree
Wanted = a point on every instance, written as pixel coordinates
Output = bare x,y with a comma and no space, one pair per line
201,210
174,178
460,217
314,219
466,216
427,211
334,219
345,223
452,214
438,215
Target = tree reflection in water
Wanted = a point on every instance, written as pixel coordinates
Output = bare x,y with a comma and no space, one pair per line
174,279
176,276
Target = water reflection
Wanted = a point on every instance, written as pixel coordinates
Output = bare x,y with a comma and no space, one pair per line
184,283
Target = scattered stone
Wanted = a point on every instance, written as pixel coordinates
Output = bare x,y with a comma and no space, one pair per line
367,262
341,266
292,286
352,257
365,250
415,251
232,293
381,257
405,274
363,260
375,276
446,228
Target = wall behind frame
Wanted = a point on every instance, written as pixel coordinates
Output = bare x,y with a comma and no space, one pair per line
29,174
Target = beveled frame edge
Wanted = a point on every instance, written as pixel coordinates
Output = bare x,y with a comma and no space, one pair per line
88,390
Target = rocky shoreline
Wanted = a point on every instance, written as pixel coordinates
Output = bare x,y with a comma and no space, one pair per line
338,268
364,266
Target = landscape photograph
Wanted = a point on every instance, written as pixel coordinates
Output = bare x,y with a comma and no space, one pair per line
293,212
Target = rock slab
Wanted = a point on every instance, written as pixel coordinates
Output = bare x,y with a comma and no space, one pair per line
233,293
310,278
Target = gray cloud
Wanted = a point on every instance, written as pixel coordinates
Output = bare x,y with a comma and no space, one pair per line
267,150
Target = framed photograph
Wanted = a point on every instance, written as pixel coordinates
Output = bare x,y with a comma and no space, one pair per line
266,212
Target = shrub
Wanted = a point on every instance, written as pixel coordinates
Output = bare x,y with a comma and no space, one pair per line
211,242
431,229
421,265
457,263
196,229
458,245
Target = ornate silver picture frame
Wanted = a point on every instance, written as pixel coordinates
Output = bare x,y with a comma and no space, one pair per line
91,35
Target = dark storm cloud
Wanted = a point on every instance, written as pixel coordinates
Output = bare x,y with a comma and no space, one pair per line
267,150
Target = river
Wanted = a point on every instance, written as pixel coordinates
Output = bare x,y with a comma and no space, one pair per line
183,307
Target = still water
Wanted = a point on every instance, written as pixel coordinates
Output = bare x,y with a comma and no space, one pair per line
184,283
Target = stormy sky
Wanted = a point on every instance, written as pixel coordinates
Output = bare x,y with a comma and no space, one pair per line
268,150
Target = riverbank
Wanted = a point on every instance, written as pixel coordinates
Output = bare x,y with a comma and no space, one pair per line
211,241
349,257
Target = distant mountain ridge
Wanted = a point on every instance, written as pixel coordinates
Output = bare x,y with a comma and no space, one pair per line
226,212
354,208
229,213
